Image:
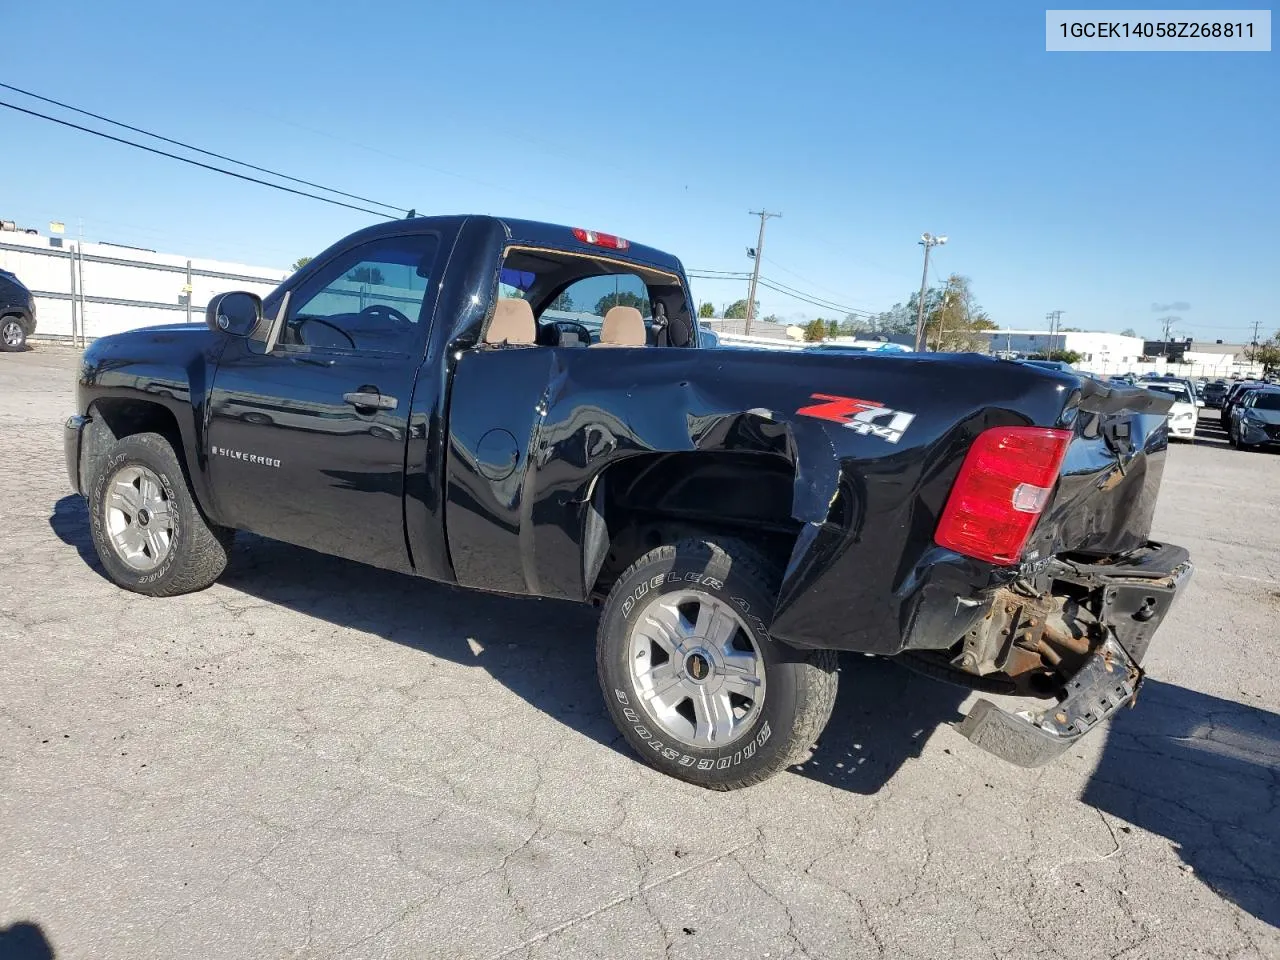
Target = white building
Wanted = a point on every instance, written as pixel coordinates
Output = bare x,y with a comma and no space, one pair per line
123,287
1099,352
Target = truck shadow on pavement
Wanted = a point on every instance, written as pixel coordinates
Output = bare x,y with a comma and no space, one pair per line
1204,773
544,650
25,941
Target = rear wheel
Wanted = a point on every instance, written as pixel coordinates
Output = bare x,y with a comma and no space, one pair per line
691,675
13,335
147,529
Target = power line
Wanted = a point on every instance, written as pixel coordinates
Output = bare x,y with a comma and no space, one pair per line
207,153
196,163
834,305
765,282
804,279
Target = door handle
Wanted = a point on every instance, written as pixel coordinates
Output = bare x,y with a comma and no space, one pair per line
377,401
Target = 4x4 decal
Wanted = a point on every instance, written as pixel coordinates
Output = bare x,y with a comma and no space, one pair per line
865,417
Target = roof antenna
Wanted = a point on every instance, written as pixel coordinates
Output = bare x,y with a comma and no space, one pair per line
411,214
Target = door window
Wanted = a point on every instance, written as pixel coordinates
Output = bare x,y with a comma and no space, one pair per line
368,299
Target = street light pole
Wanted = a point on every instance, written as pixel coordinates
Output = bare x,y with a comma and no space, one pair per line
928,241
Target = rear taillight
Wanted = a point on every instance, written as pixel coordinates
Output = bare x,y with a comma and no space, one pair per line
597,239
1003,486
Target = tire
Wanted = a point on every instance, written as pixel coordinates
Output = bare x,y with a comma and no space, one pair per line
178,550
13,335
708,583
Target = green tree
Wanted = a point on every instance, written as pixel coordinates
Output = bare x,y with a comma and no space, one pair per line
1066,356
1267,353
564,302
369,275
706,310
624,299
815,330
1128,332
953,320
301,262
738,310
771,318
833,328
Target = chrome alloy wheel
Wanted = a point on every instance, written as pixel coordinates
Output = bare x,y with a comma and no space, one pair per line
139,518
11,332
696,669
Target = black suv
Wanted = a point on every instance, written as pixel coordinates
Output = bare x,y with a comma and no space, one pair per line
17,312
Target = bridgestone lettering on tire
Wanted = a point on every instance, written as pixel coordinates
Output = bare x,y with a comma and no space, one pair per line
192,554
725,706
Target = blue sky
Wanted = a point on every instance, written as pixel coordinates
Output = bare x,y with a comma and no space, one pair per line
1098,184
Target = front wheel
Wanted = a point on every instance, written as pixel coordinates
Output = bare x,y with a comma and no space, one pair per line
147,529
691,675
13,335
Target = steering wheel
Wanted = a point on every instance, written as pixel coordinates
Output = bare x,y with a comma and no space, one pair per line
571,326
299,323
382,310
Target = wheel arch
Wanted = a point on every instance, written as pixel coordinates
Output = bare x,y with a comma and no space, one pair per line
649,499
113,418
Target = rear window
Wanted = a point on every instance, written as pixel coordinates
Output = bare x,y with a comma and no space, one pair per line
1175,390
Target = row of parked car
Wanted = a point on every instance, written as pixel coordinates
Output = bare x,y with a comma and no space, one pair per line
1250,409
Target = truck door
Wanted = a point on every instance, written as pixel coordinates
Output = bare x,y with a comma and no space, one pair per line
306,442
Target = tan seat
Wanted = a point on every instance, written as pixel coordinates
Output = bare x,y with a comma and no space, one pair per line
512,322
622,327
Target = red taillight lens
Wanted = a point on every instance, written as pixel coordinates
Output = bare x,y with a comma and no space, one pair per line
1003,486
597,239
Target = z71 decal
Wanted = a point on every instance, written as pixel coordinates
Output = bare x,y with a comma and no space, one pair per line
865,417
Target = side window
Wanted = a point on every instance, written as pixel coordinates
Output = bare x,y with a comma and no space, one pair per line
368,299
589,299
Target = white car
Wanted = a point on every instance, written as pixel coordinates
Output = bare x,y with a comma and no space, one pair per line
1182,415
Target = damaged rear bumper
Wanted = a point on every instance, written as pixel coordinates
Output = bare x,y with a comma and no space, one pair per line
1137,594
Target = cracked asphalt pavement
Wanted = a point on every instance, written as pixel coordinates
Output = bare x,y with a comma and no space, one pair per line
315,759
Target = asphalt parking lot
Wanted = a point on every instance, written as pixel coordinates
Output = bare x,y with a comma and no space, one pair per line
316,759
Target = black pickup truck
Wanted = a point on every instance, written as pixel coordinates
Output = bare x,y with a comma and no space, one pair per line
526,408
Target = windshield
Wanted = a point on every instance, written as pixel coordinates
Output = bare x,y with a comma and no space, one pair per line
1176,390
1267,401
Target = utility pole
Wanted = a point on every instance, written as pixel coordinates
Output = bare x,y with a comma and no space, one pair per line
755,255
1253,342
1055,320
928,241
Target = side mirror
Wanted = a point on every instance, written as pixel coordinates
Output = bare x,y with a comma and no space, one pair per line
1199,403
236,314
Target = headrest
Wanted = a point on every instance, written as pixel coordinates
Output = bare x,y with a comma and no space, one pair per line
512,322
622,327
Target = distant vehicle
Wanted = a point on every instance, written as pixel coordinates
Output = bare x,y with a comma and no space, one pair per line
1255,420
861,346
17,312
1182,415
1125,378
1214,393
1050,365
1234,396
708,337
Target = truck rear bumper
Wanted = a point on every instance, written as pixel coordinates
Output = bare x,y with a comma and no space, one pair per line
72,432
1136,597
1108,680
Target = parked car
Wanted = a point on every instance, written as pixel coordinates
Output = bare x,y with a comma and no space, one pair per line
1255,419
1182,415
1233,397
739,518
17,312
1061,365
1214,393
